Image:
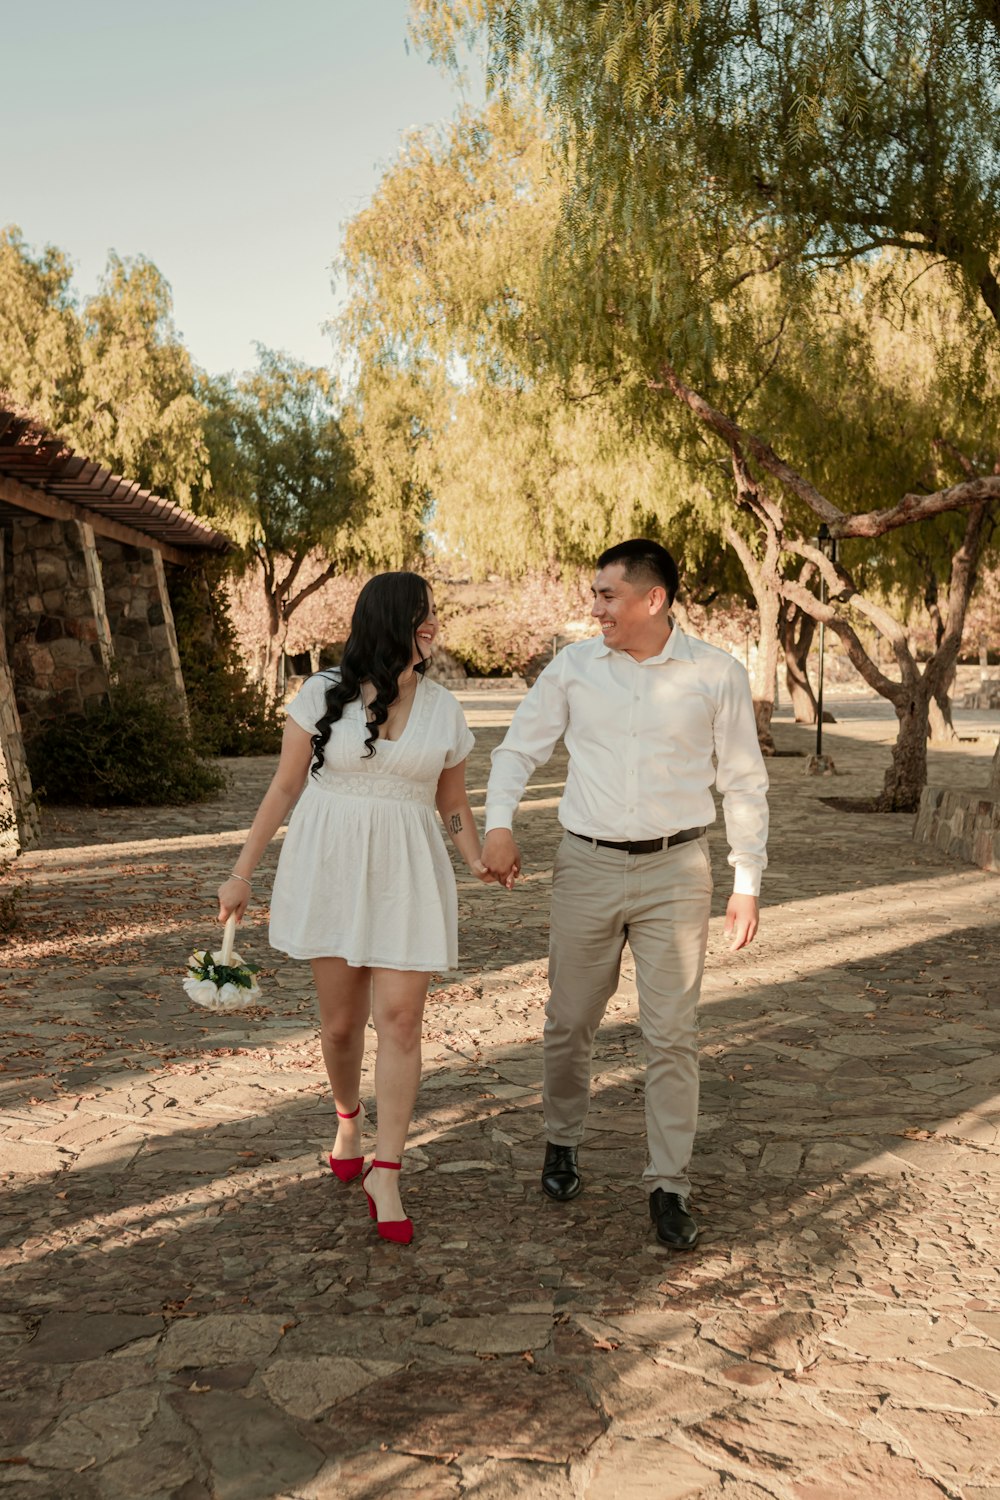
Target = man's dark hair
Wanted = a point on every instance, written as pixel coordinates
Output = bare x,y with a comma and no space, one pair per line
644,561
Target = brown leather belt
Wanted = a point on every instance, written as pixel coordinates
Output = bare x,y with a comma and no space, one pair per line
643,846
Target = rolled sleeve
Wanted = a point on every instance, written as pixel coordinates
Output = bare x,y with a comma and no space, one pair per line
533,735
742,780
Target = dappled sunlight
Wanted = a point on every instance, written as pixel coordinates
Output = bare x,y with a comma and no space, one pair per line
89,858
875,921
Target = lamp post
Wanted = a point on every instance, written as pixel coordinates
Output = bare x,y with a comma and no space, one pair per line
827,544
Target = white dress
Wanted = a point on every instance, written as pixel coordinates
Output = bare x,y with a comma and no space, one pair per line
364,873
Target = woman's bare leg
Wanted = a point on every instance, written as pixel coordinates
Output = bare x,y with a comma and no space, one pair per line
398,1012
345,1002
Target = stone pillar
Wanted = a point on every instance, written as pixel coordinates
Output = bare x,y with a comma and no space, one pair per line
141,621
19,826
962,824
61,654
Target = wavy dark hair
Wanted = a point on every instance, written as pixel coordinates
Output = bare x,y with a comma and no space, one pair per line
390,610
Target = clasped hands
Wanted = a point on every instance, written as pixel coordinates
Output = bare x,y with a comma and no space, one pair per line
500,859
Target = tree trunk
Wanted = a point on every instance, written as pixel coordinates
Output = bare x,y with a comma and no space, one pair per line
995,775
942,730
277,633
766,666
275,656
796,630
907,775
764,579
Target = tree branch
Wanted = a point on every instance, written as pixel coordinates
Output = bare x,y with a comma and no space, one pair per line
282,589
960,586
310,588
810,605
912,508
872,523
735,435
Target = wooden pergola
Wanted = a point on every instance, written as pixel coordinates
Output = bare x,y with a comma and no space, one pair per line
41,474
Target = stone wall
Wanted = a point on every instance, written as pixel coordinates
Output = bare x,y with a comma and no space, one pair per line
15,783
77,613
986,695
140,620
56,621
962,825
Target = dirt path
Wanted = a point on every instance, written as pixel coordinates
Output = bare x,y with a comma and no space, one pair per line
193,1308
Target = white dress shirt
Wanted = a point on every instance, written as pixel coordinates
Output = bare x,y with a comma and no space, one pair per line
641,736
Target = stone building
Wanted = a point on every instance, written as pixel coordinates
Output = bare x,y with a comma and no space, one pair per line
83,594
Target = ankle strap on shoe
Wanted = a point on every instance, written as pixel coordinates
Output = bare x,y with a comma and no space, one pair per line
353,1114
390,1166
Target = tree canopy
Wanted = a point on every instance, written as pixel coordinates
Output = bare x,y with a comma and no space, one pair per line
112,377
290,482
834,129
527,464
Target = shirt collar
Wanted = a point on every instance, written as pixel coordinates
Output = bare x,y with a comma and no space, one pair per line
677,645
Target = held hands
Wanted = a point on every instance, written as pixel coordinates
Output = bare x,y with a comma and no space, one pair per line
501,857
741,921
234,895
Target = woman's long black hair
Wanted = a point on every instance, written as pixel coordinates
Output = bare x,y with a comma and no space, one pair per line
390,610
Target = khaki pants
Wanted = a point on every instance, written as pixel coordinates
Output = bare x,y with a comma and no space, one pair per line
660,904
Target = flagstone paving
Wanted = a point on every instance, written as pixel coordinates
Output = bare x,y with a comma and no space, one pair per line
192,1307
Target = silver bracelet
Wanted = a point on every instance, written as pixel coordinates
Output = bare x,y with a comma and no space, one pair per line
233,876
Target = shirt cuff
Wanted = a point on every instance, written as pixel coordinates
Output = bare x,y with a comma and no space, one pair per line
746,880
498,816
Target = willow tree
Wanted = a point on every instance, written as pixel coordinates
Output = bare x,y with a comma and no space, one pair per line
886,398
845,128
39,331
139,410
111,376
528,462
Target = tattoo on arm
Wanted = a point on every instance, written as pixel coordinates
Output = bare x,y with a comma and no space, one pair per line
455,823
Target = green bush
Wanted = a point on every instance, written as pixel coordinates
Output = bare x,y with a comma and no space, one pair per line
229,714
129,752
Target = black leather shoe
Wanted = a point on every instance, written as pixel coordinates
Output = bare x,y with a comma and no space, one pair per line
560,1177
674,1225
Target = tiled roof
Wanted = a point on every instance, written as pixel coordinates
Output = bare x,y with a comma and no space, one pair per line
45,462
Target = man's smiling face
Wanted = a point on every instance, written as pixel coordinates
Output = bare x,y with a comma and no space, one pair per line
628,613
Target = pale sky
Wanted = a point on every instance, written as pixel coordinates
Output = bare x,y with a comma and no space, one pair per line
227,140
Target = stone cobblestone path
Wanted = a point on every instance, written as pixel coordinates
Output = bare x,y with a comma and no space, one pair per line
191,1307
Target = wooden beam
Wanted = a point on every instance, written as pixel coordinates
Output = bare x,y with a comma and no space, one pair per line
26,497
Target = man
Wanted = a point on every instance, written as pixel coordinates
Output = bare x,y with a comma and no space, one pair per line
643,710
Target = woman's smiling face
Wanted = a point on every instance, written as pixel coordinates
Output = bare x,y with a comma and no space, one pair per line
426,633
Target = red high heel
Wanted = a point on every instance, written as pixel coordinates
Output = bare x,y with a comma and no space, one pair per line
399,1231
348,1167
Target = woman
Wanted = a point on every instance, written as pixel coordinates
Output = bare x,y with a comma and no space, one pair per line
364,887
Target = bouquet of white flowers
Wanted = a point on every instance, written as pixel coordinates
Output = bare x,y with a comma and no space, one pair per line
222,981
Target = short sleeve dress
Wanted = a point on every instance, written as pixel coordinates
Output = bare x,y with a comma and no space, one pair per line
364,873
